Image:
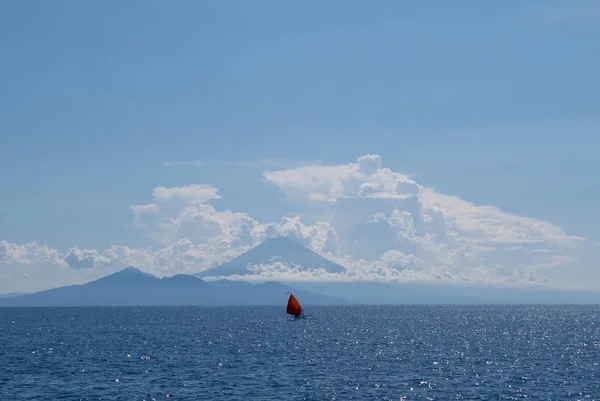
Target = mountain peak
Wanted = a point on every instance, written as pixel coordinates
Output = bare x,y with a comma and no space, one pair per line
126,275
278,249
131,271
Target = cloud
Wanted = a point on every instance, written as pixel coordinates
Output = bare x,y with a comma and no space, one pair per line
36,254
159,219
85,259
326,183
379,193
196,192
30,253
367,272
490,224
379,224
386,219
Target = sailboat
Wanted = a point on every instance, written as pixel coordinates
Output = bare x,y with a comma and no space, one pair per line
293,306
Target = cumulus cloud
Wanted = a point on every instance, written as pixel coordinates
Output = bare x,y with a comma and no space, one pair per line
197,236
157,218
381,225
314,183
181,256
327,183
36,254
386,220
30,253
85,259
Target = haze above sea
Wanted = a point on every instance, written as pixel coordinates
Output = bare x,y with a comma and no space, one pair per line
337,353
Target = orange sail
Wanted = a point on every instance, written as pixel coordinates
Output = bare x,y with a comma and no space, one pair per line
293,306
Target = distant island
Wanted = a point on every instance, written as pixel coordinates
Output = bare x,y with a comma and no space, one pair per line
131,286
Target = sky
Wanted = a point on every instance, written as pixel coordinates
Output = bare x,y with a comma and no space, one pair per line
423,141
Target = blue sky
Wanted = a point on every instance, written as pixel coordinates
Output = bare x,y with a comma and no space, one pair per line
493,103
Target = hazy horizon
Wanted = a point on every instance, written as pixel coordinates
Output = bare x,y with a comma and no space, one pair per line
133,287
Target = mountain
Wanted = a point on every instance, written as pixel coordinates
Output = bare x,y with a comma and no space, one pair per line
131,286
278,249
12,294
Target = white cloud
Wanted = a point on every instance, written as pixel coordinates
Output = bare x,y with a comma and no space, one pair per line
36,254
381,225
362,271
157,218
30,253
124,256
388,220
85,259
196,192
364,178
316,182
179,257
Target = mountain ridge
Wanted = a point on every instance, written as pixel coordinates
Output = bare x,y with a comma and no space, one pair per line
132,287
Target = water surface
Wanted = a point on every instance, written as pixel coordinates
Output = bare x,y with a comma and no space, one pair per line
337,353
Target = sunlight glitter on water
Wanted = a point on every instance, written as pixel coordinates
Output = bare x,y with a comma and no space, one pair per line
342,353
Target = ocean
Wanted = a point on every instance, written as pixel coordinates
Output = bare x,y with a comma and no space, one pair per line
336,353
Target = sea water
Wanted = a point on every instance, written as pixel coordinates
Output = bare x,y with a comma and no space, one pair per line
336,353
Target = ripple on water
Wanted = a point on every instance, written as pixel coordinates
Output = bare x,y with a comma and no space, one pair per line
340,353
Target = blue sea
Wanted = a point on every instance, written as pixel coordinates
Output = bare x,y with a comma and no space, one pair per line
336,353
